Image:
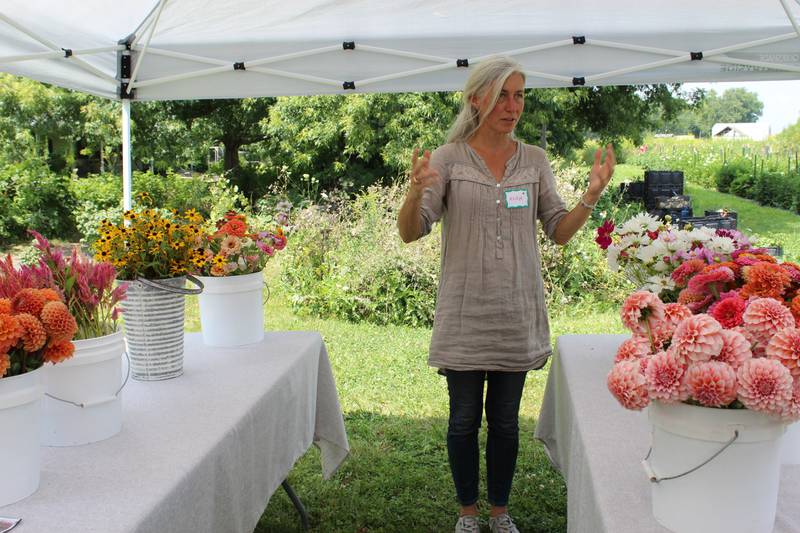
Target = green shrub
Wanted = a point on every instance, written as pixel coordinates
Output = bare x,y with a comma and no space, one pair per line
39,199
727,173
346,260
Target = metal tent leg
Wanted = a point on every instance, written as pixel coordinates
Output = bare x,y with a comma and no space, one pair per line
297,504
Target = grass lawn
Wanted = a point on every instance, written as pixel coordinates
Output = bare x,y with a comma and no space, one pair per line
395,408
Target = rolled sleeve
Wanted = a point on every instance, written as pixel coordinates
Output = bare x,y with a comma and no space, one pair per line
432,205
551,207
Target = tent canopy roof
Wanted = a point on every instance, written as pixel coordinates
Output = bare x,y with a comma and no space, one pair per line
186,49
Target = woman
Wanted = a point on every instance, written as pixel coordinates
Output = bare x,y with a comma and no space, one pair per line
490,324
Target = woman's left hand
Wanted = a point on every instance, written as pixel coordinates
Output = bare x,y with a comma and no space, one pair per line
601,174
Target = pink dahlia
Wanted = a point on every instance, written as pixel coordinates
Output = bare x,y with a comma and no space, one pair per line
674,313
758,349
792,411
764,385
634,348
712,282
641,311
698,338
735,349
628,385
785,347
764,317
728,311
665,375
712,383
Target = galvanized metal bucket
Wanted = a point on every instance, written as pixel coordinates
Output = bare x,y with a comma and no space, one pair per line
154,314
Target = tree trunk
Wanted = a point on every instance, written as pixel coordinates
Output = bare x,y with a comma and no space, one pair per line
543,137
231,154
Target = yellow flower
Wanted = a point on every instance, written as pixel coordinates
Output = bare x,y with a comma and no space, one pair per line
219,260
193,216
155,235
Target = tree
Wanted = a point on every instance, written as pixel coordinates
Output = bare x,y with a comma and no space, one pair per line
735,105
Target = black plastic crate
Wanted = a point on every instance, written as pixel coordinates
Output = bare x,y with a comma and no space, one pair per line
679,201
632,191
715,222
674,214
722,213
661,183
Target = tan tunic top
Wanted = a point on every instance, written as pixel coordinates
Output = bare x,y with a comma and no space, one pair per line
490,309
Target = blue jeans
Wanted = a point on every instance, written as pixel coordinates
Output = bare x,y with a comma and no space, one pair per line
503,395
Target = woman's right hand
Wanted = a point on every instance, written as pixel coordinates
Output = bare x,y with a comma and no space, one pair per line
422,175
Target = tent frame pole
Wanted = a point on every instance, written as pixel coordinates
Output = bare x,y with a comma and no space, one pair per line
126,153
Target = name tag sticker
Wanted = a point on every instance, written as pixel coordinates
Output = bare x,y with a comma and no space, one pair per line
516,198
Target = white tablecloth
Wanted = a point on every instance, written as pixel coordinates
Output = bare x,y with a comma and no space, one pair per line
598,446
200,453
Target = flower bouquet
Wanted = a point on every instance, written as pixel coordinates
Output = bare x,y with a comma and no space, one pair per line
36,327
648,250
156,251
83,403
720,371
235,253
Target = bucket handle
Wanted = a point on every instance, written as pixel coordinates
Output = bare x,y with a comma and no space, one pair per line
269,293
177,290
93,403
656,479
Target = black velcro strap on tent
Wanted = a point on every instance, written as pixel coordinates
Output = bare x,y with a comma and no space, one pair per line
67,52
349,45
349,85
462,62
579,81
239,65
579,39
696,56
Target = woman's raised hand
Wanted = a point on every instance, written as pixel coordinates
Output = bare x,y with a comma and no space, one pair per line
422,175
600,175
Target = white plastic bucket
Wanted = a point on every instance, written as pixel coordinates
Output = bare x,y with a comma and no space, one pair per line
20,419
153,314
82,402
736,490
790,454
232,310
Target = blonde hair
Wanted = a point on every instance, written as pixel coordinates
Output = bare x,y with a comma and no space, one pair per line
487,78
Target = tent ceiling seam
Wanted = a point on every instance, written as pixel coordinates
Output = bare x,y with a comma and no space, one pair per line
54,54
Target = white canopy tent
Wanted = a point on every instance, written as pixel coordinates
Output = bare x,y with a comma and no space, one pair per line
190,49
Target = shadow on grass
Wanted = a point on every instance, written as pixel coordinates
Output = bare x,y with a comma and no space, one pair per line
397,479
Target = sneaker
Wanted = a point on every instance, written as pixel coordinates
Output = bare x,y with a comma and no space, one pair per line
502,524
468,524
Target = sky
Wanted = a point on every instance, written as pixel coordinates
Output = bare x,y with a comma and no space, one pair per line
781,99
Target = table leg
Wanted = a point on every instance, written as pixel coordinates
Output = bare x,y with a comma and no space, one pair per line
297,504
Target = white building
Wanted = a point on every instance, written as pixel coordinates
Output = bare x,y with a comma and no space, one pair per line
741,130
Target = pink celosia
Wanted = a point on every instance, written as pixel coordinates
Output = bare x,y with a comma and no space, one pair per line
641,311
698,338
764,317
712,383
764,385
628,385
735,348
665,375
785,347
712,282
633,348
728,311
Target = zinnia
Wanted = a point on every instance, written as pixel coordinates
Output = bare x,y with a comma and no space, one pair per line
10,332
5,364
728,311
764,317
5,306
58,351
698,338
712,383
665,375
628,385
604,232
58,322
735,348
711,282
641,311
764,385
766,280
33,334
29,301
688,269
785,347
